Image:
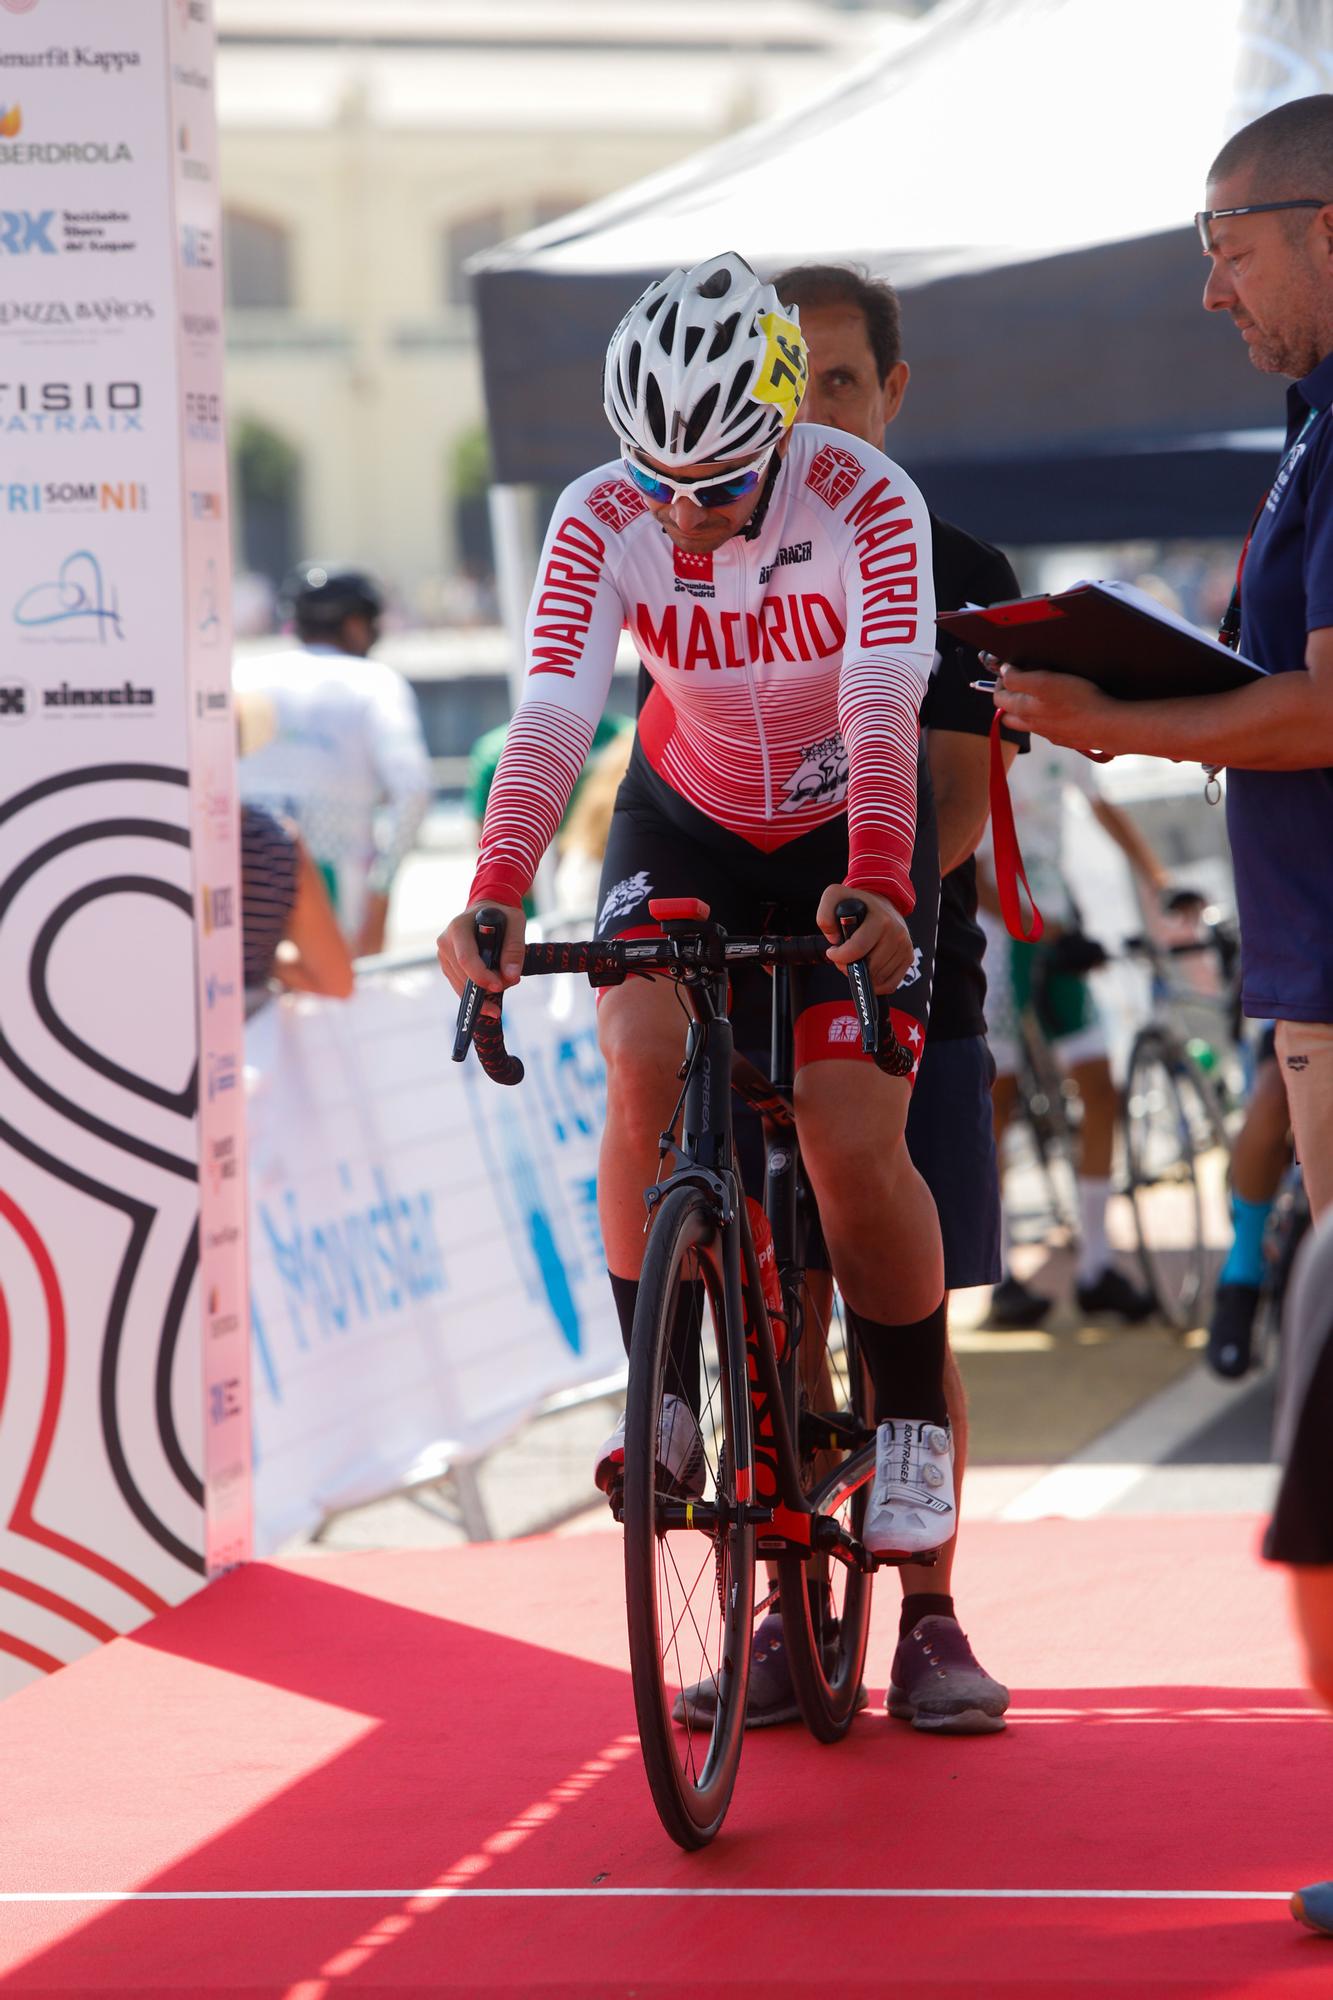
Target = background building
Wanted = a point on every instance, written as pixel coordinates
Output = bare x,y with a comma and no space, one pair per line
367,153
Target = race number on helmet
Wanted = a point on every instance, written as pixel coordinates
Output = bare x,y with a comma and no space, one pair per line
707,365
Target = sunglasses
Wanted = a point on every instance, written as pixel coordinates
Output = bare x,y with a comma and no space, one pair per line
1206,217
710,491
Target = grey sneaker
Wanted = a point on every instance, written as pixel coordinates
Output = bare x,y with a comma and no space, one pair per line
911,1510
938,1684
771,1699
680,1450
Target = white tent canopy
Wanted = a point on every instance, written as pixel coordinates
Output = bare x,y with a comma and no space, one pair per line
1025,171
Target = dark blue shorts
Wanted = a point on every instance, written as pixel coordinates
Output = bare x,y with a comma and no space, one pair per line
952,1143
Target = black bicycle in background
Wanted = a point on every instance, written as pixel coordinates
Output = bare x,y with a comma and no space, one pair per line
724,1313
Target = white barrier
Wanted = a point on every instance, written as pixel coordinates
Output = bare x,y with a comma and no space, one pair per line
426,1259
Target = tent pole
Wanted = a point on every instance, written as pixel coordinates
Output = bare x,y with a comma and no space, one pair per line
516,555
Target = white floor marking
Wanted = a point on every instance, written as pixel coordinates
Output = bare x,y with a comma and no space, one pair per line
1107,1468
446,1895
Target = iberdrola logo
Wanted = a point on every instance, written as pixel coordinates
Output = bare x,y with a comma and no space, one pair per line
11,122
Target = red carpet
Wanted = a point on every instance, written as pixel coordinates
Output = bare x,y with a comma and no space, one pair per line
419,1721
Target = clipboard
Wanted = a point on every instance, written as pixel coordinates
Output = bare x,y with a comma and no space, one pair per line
1118,637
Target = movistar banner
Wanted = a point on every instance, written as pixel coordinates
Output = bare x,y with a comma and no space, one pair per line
427,1262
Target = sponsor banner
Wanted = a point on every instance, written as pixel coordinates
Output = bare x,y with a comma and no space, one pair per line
122,1211
427,1264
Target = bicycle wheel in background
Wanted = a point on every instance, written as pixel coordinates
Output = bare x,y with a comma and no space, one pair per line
826,1604
689,1589
1172,1128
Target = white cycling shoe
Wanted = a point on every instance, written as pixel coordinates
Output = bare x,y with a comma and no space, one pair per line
911,1511
680,1451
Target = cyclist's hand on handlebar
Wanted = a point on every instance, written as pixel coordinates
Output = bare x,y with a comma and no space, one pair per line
460,959
882,937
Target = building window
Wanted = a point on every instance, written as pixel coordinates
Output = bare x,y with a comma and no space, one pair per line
256,260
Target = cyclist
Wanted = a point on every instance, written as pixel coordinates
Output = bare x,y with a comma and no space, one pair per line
1051,977
347,761
777,581
858,378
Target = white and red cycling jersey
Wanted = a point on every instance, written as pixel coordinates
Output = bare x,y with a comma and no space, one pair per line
788,668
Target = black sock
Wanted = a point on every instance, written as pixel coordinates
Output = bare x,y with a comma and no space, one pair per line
906,1364
682,1375
923,1604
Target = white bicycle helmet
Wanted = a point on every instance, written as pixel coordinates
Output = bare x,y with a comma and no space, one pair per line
706,365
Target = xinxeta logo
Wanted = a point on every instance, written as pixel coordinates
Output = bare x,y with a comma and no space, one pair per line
41,409
122,496
123,699
205,506
198,247
77,315
42,152
74,606
191,79
200,326
16,701
79,55
212,704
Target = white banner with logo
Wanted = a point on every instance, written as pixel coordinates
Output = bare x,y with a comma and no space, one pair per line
123,1431
427,1265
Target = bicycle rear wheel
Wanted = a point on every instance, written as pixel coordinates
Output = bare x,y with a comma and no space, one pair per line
825,1603
1171,1127
689,1589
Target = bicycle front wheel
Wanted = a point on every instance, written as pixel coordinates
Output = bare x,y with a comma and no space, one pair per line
1171,1126
689,1563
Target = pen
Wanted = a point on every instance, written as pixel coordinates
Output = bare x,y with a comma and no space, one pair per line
984,687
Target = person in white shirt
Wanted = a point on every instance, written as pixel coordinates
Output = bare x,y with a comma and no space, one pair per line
1045,977
347,761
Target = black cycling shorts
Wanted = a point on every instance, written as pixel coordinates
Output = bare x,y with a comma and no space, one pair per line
660,845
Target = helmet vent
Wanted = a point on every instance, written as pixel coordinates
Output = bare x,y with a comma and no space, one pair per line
701,416
723,336
666,333
654,306
654,411
632,371
693,335
740,381
716,285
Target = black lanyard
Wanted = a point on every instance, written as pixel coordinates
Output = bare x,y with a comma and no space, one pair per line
1229,629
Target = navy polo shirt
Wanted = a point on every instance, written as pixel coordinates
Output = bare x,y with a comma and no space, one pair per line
1281,822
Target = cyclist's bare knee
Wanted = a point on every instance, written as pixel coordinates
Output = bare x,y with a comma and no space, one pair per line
851,1118
641,1031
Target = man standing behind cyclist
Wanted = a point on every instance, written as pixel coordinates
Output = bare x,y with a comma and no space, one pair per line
858,380
777,582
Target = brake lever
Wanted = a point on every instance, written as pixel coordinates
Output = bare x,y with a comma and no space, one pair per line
490,929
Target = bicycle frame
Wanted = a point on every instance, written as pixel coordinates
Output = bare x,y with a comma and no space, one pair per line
770,1482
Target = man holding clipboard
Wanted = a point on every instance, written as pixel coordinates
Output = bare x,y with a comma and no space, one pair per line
1268,235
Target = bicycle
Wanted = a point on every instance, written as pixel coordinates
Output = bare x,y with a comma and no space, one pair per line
719,1324
1176,1113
